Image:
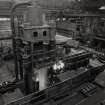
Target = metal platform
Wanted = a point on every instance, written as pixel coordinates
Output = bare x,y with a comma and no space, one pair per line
63,93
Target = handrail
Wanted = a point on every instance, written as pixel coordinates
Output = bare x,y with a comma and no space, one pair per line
33,96
13,34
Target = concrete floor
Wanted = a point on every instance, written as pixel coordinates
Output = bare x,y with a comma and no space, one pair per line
7,71
7,74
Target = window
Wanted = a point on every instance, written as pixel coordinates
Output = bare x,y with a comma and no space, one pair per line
21,32
35,34
78,29
45,33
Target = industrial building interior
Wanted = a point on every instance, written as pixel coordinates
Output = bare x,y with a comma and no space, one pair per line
52,52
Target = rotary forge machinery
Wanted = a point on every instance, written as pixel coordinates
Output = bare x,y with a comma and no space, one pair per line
34,45
36,51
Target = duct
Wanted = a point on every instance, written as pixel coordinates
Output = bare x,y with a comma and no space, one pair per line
34,16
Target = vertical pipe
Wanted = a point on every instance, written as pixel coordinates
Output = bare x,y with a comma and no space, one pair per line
13,35
14,47
21,67
29,83
43,78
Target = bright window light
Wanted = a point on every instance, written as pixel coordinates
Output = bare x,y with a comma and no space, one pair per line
64,19
102,8
4,19
58,19
59,65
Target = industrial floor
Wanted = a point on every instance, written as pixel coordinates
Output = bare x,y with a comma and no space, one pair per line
78,99
7,71
7,74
